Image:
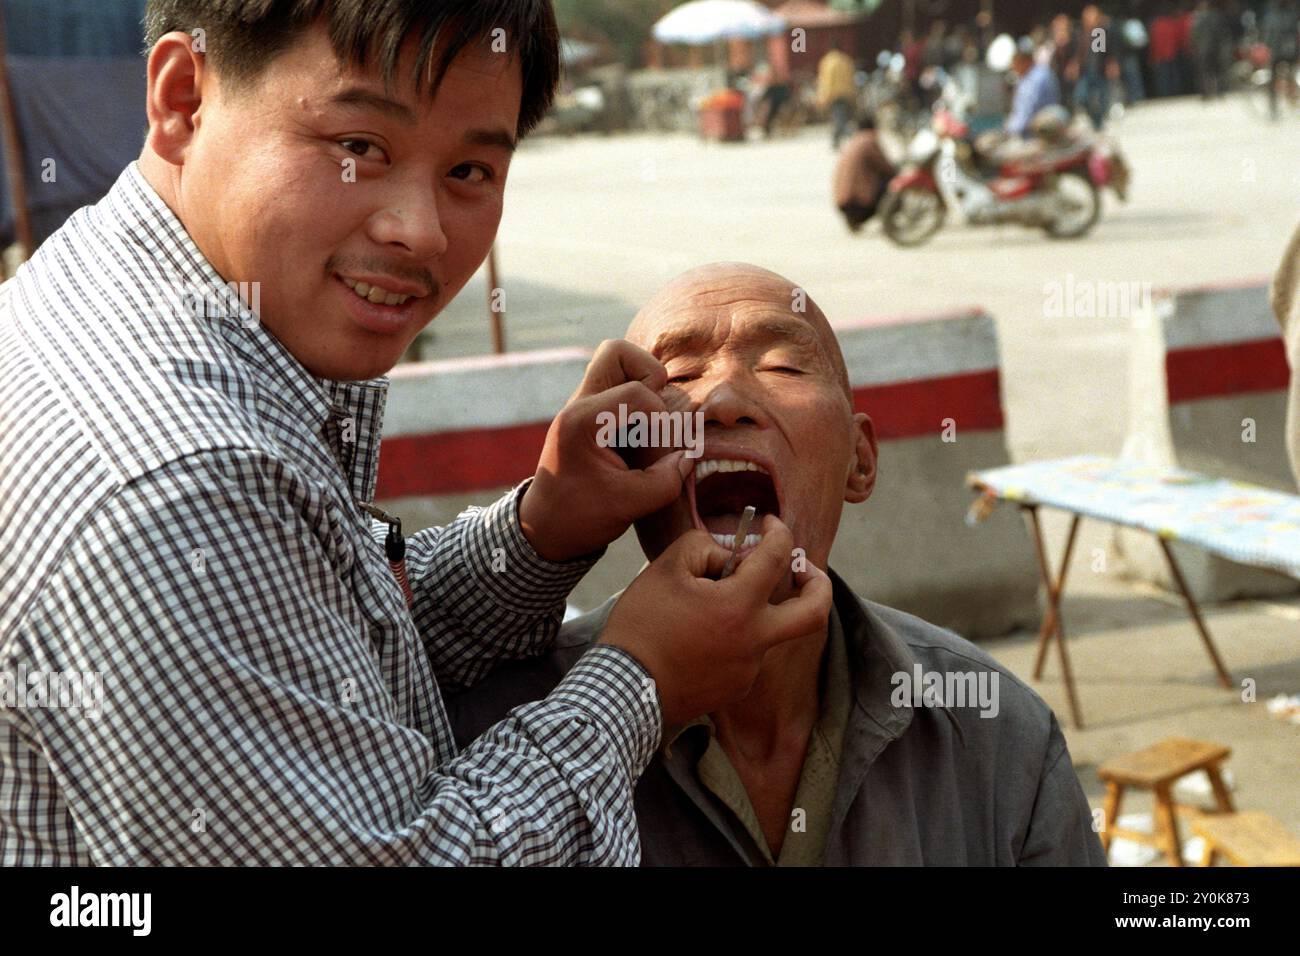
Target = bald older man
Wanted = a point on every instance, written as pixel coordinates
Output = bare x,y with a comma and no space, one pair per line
874,739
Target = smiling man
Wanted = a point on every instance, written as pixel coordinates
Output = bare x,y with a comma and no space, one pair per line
874,738
184,491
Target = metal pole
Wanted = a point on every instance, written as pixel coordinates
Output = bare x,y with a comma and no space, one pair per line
497,316
14,152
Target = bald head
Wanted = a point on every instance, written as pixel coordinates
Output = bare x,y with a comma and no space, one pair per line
691,305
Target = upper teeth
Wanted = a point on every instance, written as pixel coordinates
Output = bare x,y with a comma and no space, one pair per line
374,293
706,468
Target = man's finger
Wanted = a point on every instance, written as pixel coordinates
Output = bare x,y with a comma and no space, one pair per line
794,617
768,564
617,361
698,553
645,491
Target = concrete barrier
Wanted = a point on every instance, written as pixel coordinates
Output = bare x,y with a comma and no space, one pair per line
1208,381
458,433
932,386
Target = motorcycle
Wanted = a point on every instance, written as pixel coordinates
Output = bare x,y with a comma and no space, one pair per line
1054,184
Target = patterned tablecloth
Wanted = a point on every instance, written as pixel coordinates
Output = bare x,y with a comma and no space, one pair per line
1240,522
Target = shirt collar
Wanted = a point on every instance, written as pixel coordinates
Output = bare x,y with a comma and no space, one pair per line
348,416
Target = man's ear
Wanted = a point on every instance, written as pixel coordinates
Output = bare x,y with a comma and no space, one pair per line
174,95
862,479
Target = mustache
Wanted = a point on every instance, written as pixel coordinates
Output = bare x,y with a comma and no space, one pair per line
419,276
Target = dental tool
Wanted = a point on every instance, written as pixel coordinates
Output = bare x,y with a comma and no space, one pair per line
741,533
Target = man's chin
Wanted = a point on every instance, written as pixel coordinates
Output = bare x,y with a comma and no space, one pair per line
357,365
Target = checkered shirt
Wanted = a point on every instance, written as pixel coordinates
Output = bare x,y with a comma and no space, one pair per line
178,515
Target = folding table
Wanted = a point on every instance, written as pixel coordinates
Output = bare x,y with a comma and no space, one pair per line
1243,523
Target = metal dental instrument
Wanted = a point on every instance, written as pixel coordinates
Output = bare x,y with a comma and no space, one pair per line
741,533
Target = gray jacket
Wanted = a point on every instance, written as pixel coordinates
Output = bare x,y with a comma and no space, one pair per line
919,784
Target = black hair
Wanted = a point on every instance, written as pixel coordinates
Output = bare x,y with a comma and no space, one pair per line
242,36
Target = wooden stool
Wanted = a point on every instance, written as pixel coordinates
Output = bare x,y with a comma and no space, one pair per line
1246,839
1158,768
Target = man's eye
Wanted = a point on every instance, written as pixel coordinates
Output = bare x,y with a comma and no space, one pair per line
788,369
681,377
359,147
471,173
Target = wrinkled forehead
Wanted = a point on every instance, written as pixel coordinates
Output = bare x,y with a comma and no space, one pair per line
720,306
741,326
715,307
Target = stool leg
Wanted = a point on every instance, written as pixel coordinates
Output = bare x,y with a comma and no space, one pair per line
1221,795
1207,853
1167,825
1114,793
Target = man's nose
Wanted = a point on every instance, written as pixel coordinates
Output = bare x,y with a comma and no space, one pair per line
729,404
410,220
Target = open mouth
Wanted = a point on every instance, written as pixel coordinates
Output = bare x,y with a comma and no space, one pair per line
719,491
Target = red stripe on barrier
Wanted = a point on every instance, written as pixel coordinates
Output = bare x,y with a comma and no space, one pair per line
1216,371
451,462
454,462
910,409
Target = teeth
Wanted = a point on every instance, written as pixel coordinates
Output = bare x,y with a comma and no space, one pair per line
373,293
729,540
705,468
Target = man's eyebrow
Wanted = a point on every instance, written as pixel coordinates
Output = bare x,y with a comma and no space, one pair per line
369,99
680,339
498,138
798,333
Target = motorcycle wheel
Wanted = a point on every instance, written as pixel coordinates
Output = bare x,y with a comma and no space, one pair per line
1082,202
912,215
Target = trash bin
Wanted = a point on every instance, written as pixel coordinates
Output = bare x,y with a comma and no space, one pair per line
722,117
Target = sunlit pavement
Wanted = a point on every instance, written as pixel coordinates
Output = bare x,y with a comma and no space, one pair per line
594,225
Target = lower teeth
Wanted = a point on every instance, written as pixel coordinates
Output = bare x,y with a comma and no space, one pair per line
729,540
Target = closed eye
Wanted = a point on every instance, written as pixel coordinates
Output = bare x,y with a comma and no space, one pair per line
786,369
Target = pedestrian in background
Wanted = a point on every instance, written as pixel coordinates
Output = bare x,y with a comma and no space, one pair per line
861,175
836,91
1164,51
1132,40
1279,33
1092,67
1209,44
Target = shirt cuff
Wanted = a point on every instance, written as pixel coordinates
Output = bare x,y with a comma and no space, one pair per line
507,568
614,690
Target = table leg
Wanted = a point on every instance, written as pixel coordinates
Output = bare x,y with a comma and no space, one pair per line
1224,679
1054,610
1048,627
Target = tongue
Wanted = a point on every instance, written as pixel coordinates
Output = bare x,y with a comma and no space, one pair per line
728,522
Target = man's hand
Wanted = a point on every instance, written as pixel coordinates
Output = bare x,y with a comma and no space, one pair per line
584,496
703,640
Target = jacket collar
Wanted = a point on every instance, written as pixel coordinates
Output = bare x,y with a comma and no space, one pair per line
876,652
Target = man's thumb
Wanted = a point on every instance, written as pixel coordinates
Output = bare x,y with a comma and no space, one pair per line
661,483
